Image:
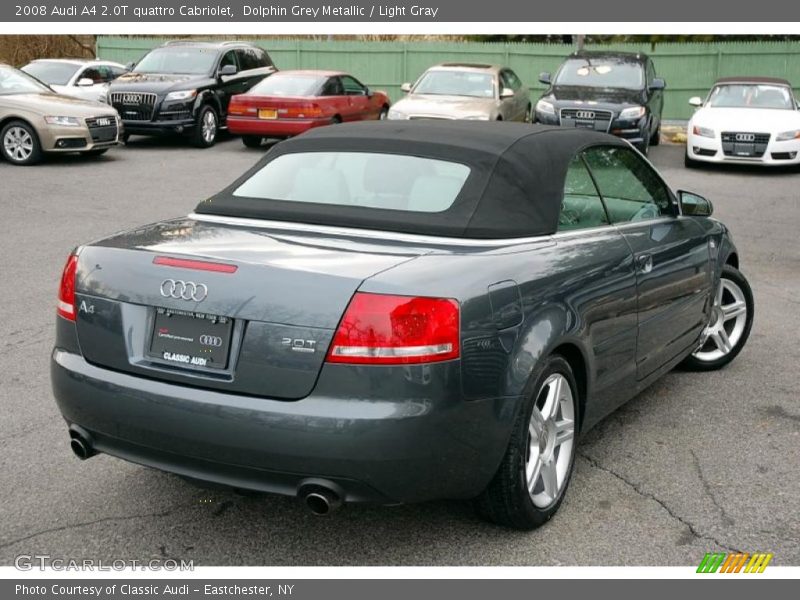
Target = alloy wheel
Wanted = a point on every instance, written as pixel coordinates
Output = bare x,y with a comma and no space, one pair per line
209,126
18,144
551,440
728,321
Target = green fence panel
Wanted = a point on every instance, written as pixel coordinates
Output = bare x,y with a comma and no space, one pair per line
689,68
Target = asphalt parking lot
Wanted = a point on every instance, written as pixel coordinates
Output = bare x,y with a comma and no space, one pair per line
697,463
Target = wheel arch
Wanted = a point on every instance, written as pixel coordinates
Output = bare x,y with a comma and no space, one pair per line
574,355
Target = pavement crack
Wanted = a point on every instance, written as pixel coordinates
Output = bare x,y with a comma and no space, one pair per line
727,519
644,494
157,514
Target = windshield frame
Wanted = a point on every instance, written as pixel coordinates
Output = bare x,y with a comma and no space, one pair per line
44,87
599,61
792,98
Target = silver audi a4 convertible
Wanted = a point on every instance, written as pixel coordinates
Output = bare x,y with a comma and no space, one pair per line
396,312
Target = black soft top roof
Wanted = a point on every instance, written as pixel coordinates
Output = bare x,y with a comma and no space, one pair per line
515,187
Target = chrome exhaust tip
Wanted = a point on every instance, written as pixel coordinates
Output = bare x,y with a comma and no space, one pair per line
321,497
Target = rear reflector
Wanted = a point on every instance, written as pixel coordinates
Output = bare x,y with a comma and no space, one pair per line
66,290
198,265
391,330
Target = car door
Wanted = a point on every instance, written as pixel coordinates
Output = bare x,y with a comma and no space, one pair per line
230,85
671,255
520,95
358,106
603,289
655,98
100,75
333,98
508,106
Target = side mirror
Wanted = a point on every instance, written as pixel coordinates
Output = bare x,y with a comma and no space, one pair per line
367,92
227,71
696,101
406,87
130,65
544,77
657,84
85,82
506,93
694,205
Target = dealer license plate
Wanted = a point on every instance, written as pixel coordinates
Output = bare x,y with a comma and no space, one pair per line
190,339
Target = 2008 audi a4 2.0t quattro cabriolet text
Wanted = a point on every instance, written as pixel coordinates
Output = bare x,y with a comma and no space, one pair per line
397,312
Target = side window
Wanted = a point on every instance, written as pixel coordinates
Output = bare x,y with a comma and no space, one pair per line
96,74
332,87
117,71
631,189
229,58
252,58
512,80
352,87
582,207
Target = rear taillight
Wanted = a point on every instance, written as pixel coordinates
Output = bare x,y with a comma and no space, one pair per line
392,330
66,291
301,111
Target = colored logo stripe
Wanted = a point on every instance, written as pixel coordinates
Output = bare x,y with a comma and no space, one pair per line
734,562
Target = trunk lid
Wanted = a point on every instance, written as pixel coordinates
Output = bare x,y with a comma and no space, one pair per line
266,317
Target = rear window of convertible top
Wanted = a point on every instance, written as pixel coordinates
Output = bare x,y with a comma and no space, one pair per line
359,179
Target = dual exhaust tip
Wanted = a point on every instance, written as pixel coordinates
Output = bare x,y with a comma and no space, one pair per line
80,442
318,496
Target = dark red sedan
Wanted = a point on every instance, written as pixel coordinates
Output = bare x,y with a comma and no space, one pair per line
290,102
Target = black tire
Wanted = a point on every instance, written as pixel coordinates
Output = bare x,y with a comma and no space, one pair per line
336,119
384,114
690,163
692,362
201,136
124,138
252,141
95,152
655,139
506,501
529,114
32,150
644,147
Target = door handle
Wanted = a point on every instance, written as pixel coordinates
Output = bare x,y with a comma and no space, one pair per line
644,263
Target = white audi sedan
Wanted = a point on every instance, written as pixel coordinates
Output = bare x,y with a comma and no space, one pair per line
79,77
747,120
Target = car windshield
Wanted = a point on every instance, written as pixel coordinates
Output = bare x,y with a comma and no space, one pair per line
363,179
178,60
281,84
749,95
52,73
13,81
603,72
456,83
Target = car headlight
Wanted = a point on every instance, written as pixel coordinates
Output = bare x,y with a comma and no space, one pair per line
396,114
632,112
63,121
703,131
182,95
788,135
545,107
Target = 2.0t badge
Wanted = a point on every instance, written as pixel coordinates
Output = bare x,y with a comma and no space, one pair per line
184,290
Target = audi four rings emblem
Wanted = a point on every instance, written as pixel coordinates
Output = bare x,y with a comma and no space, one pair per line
745,137
184,290
584,114
211,340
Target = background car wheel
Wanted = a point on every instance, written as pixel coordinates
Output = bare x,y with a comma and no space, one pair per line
336,119
20,144
644,147
655,140
252,141
529,114
383,114
731,321
95,152
204,134
690,163
534,474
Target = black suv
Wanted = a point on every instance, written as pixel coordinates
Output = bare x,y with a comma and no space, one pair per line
617,92
185,87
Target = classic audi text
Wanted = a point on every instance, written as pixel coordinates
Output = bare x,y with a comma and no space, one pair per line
397,312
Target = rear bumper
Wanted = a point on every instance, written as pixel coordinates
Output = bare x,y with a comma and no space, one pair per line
379,449
273,128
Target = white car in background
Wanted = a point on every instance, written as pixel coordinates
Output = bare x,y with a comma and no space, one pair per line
87,79
746,120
